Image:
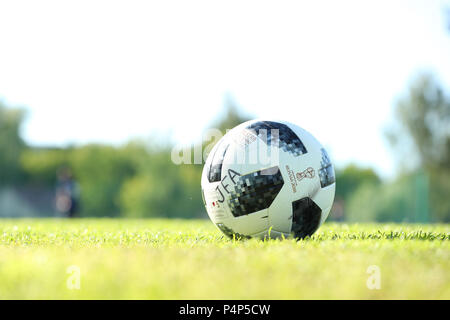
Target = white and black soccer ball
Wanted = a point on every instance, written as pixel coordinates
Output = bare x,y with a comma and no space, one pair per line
268,179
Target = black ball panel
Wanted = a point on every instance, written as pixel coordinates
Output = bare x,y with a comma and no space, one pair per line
326,173
305,217
286,140
255,191
214,171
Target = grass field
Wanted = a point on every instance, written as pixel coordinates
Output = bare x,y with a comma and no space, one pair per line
190,259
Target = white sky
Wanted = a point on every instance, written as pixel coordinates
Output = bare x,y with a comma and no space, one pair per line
108,71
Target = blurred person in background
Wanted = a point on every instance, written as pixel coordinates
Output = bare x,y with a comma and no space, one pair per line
67,193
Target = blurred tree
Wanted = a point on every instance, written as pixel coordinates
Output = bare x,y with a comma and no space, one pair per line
424,116
41,164
421,139
135,180
232,115
348,180
351,177
388,202
101,171
161,188
11,145
230,118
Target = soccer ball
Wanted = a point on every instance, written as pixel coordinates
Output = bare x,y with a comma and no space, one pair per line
268,179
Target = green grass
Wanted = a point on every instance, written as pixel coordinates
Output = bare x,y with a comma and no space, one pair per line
177,259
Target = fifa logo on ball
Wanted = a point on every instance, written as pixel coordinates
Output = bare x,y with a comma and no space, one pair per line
308,173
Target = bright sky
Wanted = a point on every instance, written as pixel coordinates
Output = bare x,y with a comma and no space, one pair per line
108,71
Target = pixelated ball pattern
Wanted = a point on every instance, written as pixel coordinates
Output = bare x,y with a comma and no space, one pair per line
255,191
215,170
286,140
326,173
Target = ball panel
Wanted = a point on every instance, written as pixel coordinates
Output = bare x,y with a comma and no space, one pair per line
230,233
301,174
326,171
255,191
217,211
324,199
252,223
286,140
305,217
280,212
214,171
324,215
246,225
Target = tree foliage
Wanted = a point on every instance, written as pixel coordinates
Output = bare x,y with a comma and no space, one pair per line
11,145
135,180
423,117
351,177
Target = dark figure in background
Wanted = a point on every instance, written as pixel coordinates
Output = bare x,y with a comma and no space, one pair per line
67,193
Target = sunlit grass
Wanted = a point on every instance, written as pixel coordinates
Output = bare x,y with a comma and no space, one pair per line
190,259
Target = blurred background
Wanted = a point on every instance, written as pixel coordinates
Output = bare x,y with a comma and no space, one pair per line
95,94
